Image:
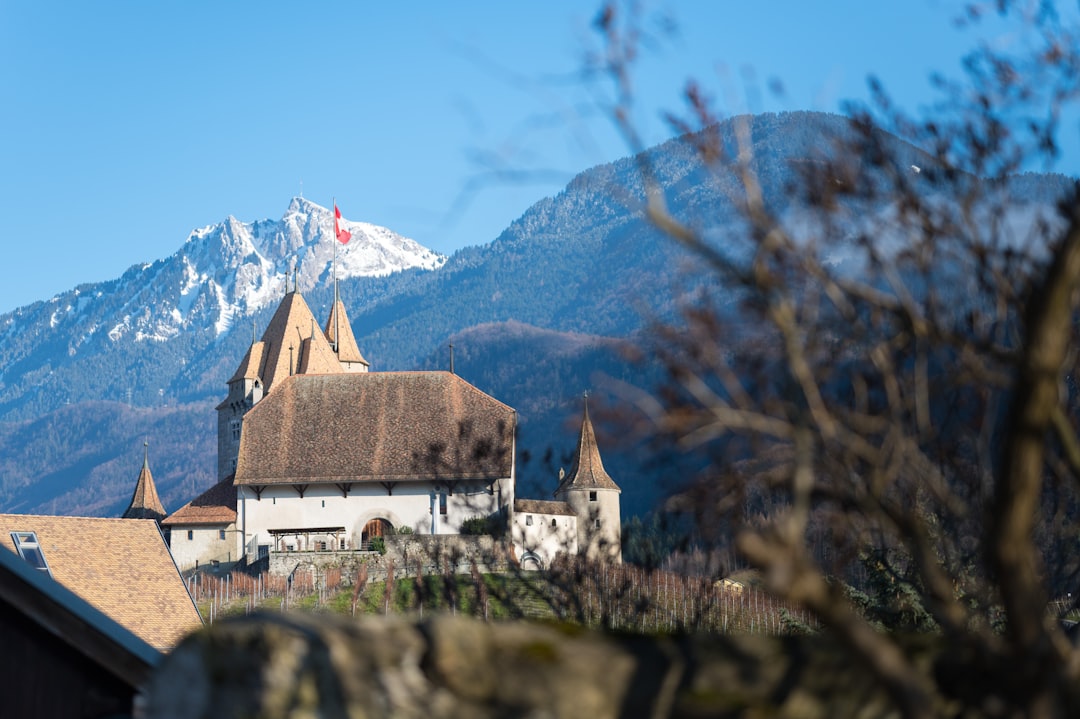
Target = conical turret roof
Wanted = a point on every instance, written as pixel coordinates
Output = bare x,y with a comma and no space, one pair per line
347,349
588,469
145,503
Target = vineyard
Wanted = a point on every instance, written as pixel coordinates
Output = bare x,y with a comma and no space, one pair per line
621,598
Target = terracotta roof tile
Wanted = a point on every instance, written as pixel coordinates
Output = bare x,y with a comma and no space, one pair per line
375,426
540,506
291,324
588,469
145,503
348,350
122,567
251,366
216,505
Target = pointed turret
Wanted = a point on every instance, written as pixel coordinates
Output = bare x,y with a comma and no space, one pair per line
340,336
594,497
289,327
290,345
145,503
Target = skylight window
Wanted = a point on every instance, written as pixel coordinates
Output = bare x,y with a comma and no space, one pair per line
30,550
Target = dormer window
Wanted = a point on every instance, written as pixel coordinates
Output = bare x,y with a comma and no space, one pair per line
30,550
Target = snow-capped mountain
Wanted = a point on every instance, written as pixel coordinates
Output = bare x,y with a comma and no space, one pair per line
233,269
154,319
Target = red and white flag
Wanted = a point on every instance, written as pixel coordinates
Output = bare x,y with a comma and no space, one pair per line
340,232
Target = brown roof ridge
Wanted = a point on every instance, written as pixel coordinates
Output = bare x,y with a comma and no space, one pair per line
355,479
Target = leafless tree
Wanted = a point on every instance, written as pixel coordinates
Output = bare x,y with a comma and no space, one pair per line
908,412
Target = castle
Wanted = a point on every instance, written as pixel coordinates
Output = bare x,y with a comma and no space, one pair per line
318,453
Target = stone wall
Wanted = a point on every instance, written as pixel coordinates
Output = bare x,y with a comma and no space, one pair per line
296,665
410,553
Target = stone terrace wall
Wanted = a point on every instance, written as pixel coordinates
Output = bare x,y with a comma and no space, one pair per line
430,554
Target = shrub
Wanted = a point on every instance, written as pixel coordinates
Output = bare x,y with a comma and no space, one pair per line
476,526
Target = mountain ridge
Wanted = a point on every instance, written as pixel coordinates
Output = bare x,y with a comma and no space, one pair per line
537,315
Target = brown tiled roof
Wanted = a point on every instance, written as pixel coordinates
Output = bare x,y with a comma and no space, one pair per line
375,426
216,505
317,356
251,366
348,350
291,324
120,566
145,503
540,506
588,470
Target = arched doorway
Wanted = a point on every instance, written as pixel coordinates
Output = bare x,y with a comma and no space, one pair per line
530,562
377,527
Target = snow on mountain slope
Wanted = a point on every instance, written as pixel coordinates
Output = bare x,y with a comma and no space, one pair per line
230,270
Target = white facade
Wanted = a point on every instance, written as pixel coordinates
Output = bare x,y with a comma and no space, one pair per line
197,546
422,507
539,537
599,522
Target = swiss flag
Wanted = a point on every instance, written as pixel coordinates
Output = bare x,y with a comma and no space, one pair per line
340,232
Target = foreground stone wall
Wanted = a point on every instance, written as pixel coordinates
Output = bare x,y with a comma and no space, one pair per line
296,665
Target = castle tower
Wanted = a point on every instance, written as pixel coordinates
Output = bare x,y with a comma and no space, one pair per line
290,345
594,497
145,503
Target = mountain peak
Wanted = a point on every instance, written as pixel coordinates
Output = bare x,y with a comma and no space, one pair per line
300,205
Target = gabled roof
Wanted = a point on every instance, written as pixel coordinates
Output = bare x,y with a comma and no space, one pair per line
375,426
588,469
348,350
541,506
215,506
145,503
122,567
291,324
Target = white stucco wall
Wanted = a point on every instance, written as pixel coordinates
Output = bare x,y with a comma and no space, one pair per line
547,536
204,547
410,504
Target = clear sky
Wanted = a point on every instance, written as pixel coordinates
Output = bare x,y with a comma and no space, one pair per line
127,123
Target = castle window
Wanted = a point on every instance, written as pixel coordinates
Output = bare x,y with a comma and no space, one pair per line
442,504
221,534
190,534
528,520
596,523
592,496
554,523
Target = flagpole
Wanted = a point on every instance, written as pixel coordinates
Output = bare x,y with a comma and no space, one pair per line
337,319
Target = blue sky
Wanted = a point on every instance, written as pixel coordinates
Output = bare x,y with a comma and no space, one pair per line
128,123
